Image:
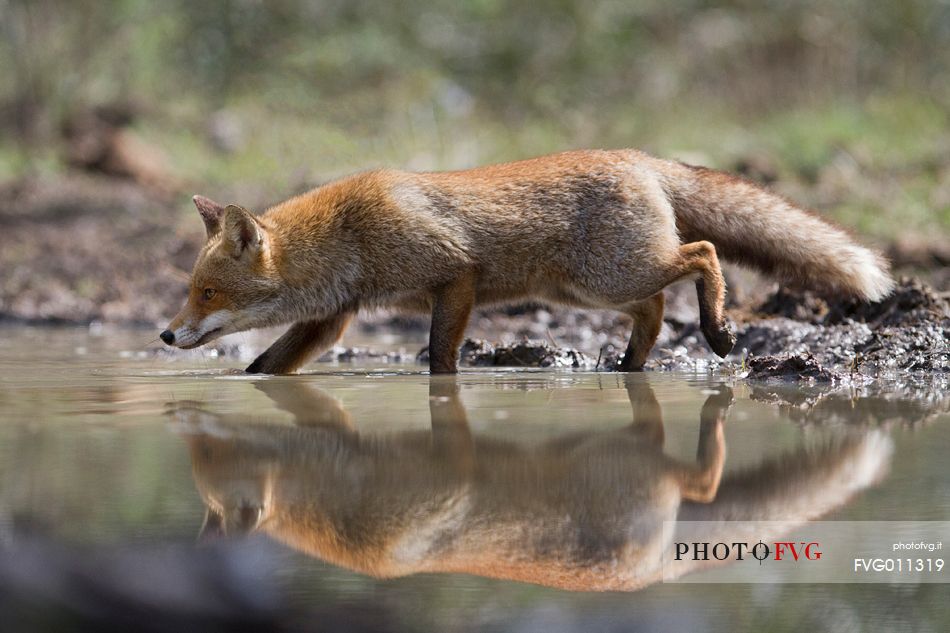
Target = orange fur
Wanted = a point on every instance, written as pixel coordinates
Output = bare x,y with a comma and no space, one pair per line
604,229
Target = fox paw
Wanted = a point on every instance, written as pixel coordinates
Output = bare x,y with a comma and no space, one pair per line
721,340
257,367
267,363
629,363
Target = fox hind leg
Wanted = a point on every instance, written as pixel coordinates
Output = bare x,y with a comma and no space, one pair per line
700,258
711,293
711,322
647,321
695,258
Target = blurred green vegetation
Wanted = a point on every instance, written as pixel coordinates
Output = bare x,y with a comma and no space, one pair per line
846,104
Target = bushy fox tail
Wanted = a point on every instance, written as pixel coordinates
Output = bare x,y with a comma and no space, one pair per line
753,227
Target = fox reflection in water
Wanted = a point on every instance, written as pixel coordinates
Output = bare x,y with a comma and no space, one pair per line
584,512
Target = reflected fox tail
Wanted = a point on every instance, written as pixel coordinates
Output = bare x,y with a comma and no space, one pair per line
801,486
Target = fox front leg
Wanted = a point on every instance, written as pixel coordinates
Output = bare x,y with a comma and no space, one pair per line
299,344
451,307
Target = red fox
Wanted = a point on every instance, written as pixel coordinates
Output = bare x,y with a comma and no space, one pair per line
584,511
593,229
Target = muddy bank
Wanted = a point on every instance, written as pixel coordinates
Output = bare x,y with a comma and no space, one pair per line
85,248
906,332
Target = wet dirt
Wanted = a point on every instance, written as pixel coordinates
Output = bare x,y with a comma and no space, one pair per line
906,332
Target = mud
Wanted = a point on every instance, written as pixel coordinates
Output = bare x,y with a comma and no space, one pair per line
527,353
906,332
801,367
84,248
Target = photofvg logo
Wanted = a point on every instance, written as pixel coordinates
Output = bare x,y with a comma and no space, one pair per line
804,552
739,550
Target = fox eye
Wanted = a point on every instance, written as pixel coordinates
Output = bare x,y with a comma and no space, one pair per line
208,294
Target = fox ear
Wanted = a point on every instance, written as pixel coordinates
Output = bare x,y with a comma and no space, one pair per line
241,231
211,213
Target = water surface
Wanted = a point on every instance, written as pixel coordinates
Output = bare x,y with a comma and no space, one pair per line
380,497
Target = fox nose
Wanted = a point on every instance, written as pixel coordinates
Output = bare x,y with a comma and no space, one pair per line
168,337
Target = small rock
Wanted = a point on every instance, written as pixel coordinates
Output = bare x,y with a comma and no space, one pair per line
790,368
526,353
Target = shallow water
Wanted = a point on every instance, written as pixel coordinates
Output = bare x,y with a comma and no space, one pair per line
182,491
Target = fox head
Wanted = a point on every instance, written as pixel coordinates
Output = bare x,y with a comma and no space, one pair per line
235,285
236,482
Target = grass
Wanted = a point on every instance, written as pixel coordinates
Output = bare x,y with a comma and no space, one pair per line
880,166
